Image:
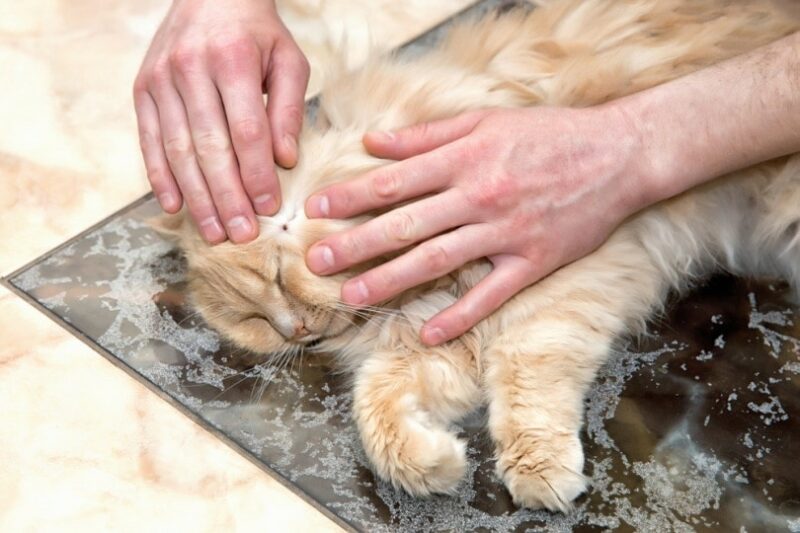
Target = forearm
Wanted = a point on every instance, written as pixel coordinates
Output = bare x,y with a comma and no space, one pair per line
717,120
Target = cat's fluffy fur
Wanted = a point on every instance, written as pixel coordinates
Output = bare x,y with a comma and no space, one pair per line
533,360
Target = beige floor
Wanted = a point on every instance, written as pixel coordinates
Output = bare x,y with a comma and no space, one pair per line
82,445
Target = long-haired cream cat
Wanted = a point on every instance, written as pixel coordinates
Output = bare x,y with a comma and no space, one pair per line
533,360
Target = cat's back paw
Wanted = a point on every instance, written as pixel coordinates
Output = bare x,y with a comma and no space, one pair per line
547,476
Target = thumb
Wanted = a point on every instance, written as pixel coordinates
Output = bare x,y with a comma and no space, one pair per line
421,138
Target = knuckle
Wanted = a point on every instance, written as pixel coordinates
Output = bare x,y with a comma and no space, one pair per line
198,201
401,226
157,179
259,181
507,235
147,142
420,130
178,148
347,245
298,62
210,144
184,58
462,320
140,84
483,196
158,76
248,131
495,192
386,185
257,176
385,279
223,48
228,201
436,258
293,114
342,199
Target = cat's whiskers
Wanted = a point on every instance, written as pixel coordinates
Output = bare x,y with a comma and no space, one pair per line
296,358
226,389
189,316
261,384
368,312
278,363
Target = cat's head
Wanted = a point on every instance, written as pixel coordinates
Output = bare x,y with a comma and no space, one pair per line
261,295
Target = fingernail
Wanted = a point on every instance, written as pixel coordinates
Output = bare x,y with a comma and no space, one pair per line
265,204
212,230
433,336
355,293
167,201
320,259
241,229
320,205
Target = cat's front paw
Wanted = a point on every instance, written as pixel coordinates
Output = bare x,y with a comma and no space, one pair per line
544,475
421,460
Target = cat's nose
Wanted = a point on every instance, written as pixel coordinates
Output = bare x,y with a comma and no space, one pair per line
300,329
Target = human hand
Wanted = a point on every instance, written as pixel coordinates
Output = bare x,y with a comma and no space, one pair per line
530,189
205,134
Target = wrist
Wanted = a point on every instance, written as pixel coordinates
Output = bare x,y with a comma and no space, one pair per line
660,165
638,176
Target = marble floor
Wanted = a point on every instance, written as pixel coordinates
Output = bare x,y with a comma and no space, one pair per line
83,446
692,429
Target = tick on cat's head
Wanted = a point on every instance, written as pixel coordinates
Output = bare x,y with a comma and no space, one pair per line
261,295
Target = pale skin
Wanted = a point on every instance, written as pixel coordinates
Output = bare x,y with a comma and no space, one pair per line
531,189
535,189
206,136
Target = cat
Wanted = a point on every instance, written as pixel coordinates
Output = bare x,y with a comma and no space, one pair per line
533,360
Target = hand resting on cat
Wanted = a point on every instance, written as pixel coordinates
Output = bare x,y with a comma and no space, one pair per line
532,360
534,189
205,135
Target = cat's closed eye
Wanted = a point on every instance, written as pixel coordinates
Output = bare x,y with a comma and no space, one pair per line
254,316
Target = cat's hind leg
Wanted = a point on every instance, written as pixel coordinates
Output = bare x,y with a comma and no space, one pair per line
404,403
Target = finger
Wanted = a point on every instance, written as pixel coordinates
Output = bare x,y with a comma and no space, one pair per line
421,138
180,155
158,172
238,78
428,261
385,186
510,275
287,80
392,231
213,149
